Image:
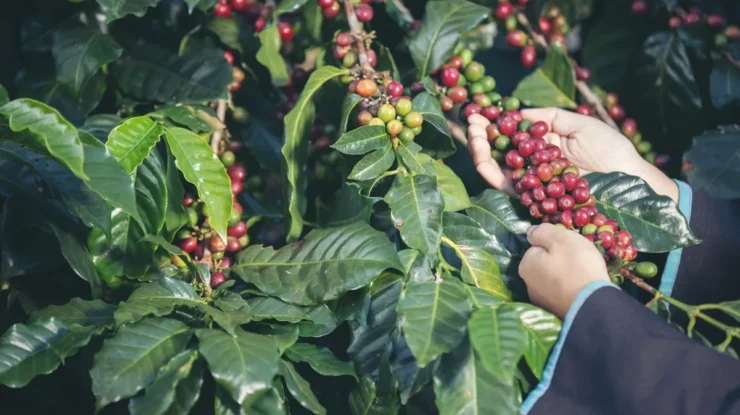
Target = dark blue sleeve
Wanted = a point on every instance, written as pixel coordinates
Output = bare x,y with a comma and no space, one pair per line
614,356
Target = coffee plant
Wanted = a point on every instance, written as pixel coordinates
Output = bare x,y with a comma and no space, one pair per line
266,206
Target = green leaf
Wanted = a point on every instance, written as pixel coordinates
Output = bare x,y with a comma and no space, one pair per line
453,189
496,213
58,136
18,174
131,142
107,178
498,336
300,388
369,340
78,257
410,377
124,252
78,313
196,118
654,221
433,317
618,34
80,52
552,85
406,154
175,215
386,61
713,158
128,361
322,322
348,205
462,386
440,30
116,9
416,209
541,331
4,98
374,164
27,351
269,56
157,298
724,85
479,268
268,308
298,125
664,85
400,14
481,298
362,397
362,140
289,6
201,167
348,105
73,105
326,264
153,74
321,359
159,397
100,125
244,365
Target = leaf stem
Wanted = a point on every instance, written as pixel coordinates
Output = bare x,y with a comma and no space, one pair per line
382,176
582,87
693,312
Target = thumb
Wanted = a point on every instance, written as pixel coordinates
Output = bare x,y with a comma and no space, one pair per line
545,236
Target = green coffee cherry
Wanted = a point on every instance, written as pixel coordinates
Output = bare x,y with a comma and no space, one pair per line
376,121
416,130
386,112
235,217
488,83
524,125
466,55
477,88
228,158
254,182
495,97
192,216
403,107
474,71
511,104
644,147
183,233
406,135
646,269
502,142
589,229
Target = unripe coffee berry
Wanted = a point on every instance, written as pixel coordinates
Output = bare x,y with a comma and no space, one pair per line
589,229
544,172
646,270
376,121
558,165
612,224
502,143
539,193
394,127
474,71
555,189
482,100
514,159
386,112
364,117
492,132
566,202
406,135
572,170
605,228
526,148
507,126
527,198
446,103
517,175
450,76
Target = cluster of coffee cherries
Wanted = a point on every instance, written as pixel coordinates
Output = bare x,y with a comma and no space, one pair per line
345,52
551,187
331,9
255,13
462,78
237,73
385,105
552,24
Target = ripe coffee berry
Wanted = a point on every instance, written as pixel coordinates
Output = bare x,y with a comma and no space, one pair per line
582,182
217,278
616,112
715,21
222,10
507,126
539,193
367,88
639,7
584,109
189,244
544,172
446,103
394,89
612,224
470,109
530,181
581,218
538,129
504,10
236,187
450,76
545,25
674,22
582,74
332,10
514,159
623,239
286,31
606,239
518,137
549,206
364,13
555,189
516,38
237,172
526,148
566,218
529,56
238,230
692,18
458,94
580,195
540,157
527,198
491,112
598,219
569,180
343,39
535,210
233,245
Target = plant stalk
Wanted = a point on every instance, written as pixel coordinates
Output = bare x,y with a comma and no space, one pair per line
359,36
218,135
582,87
692,311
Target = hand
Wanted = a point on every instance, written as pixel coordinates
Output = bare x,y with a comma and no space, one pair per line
588,143
558,266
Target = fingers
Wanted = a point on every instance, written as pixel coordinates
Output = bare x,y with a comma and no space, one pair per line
530,262
545,236
477,119
480,149
560,121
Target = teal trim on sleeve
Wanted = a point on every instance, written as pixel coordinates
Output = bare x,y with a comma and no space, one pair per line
552,361
668,279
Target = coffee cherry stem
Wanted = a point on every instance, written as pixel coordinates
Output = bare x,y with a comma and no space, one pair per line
218,135
359,35
693,312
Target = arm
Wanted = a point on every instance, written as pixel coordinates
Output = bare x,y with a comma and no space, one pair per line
616,357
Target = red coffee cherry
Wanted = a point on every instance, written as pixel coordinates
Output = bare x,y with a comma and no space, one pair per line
584,109
540,157
188,244
580,195
582,74
470,109
454,62
566,218
325,3
539,193
364,13
229,56
286,31
544,172
237,172
555,189
554,151
538,129
639,7
526,148
395,89
504,10
343,39
570,181
566,202
582,182
692,18
715,21
598,219
519,187
545,25
222,10
491,112
514,159
529,56
527,198
732,32
516,115
674,22
530,181
549,206
518,137
507,126
238,230
629,127
535,210
458,94
606,239
332,10
217,278
539,144
237,187
582,218
516,38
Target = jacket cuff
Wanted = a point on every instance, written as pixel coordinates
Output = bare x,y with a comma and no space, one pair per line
668,278
552,361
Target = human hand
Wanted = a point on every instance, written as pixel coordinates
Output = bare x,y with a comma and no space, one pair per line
588,143
558,266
